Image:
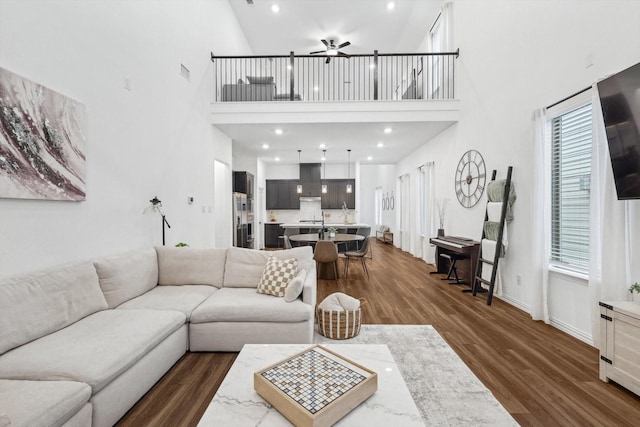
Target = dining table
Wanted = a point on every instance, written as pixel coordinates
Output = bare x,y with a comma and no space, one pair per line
311,238
315,237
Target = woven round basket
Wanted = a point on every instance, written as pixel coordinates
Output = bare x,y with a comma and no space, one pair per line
339,324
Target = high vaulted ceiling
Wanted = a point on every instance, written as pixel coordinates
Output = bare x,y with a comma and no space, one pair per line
298,26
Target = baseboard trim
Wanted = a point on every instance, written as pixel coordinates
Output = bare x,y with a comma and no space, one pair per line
574,332
514,302
558,324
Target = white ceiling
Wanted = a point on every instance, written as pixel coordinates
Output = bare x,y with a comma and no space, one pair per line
298,26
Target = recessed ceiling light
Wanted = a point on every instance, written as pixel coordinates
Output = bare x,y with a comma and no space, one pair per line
288,66
323,145
277,159
278,131
380,145
372,66
275,8
387,130
323,158
391,5
315,88
369,158
265,146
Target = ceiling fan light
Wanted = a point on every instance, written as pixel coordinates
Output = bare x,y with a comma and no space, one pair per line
332,52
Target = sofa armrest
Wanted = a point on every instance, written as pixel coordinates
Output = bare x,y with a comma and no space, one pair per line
309,290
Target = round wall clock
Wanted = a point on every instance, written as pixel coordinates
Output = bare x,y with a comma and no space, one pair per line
471,176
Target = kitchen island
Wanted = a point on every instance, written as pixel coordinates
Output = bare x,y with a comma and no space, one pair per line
275,230
316,225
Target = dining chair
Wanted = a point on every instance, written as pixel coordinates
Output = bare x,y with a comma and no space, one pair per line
287,242
360,253
326,253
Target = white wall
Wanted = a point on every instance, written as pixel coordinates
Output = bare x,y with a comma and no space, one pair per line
372,177
152,140
516,57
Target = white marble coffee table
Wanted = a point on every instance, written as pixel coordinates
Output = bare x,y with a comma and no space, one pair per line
237,404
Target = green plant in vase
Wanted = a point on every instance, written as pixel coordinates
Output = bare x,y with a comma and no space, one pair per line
635,291
332,231
181,245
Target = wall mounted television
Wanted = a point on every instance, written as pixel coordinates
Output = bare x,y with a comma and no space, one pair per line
620,101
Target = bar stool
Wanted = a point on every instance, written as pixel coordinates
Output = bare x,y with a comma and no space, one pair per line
453,258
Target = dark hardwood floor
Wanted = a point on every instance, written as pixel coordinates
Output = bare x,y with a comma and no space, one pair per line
541,375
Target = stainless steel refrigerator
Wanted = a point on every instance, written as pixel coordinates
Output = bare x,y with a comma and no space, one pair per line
243,221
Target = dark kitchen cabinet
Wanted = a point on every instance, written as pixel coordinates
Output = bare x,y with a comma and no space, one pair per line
282,194
243,183
310,179
337,194
272,233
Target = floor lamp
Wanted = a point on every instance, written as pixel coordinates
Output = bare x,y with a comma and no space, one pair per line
156,206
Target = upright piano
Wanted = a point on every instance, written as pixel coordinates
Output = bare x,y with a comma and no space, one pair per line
465,247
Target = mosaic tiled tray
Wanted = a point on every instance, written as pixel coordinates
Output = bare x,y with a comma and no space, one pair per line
316,387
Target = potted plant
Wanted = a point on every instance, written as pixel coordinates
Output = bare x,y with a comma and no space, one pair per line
442,208
332,232
181,245
635,291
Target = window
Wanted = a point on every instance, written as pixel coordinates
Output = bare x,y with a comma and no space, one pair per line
422,201
571,137
378,205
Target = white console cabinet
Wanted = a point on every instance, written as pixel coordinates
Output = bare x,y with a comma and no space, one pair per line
620,344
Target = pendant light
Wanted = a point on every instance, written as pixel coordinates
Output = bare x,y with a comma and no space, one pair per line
349,187
324,185
299,188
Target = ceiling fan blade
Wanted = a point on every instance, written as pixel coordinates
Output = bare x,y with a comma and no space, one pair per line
325,42
328,60
343,55
317,51
345,44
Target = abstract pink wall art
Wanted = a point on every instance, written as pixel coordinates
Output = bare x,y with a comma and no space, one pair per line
42,142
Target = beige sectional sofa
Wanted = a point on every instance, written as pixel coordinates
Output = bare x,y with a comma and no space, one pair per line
80,344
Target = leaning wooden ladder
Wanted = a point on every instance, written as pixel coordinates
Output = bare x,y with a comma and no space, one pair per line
477,283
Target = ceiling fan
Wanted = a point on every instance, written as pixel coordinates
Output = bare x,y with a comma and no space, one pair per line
332,50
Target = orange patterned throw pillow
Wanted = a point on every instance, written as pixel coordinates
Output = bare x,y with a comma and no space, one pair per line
276,276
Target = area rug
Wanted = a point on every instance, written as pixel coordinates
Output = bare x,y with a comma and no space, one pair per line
445,390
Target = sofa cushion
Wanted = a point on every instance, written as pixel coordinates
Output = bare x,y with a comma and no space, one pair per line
39,303
260,80
246,305
127,275
94,350
276,276
41,403
244,267
295,287
184,298
190,266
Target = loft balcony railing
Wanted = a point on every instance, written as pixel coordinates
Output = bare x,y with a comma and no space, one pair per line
428,76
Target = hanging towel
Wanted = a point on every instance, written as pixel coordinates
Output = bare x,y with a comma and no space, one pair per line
488,251
495,193
491,230
494,210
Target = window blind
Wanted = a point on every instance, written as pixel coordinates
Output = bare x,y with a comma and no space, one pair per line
571,138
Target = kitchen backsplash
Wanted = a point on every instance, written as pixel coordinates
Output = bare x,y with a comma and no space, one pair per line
310,210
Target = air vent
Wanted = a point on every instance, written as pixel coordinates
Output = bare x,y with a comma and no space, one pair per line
184,72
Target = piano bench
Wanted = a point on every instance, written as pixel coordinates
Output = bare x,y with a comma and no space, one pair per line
452,267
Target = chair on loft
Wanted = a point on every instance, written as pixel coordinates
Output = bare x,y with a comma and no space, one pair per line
360,253
326,253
